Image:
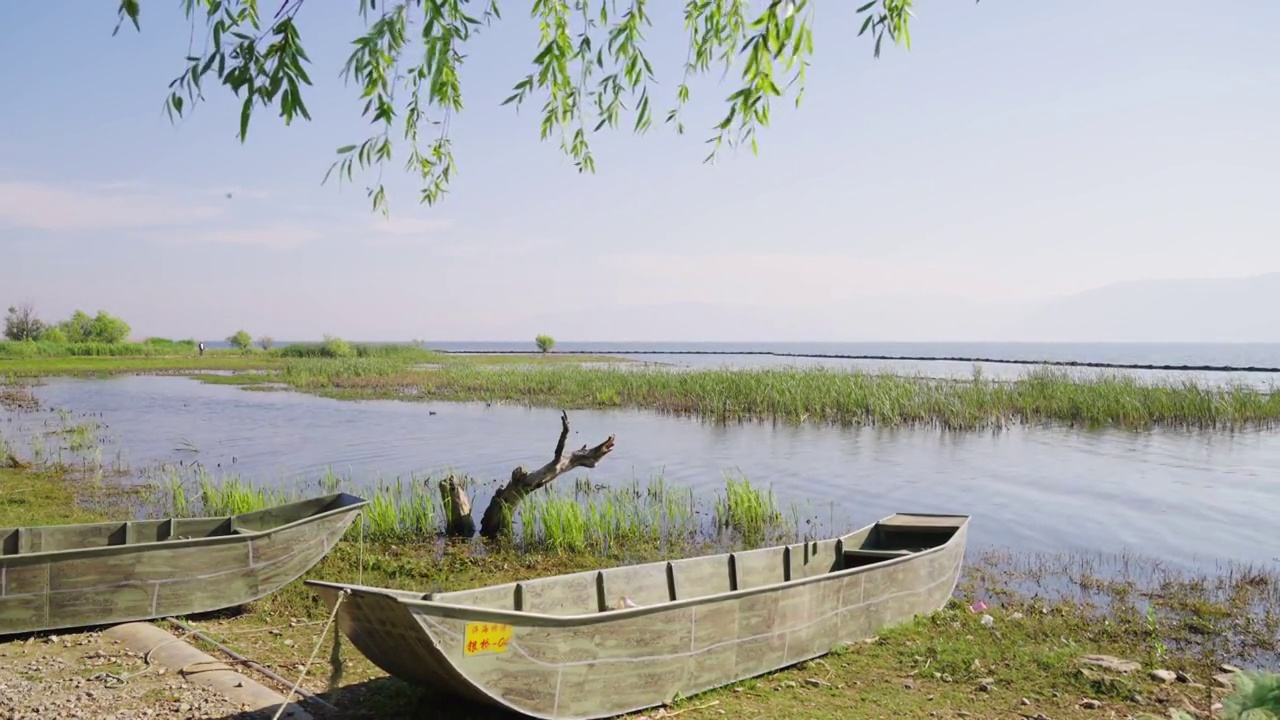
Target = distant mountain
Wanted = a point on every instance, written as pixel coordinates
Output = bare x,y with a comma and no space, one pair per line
1180,310
869,318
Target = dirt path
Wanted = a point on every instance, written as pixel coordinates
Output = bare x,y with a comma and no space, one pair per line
86,675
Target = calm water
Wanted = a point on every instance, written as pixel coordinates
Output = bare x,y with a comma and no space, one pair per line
1184,497
1218,355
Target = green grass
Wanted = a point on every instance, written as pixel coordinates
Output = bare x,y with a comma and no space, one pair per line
563,518
1047,611
312,365
150,347
1028,660
791,395
842,397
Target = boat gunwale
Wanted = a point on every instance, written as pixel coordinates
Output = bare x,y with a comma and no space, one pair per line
527,618
234,536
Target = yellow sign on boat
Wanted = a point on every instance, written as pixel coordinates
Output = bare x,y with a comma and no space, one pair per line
486,638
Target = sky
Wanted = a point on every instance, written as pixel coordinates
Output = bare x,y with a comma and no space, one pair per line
1017,153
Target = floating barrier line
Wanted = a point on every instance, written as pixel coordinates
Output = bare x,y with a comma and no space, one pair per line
924,358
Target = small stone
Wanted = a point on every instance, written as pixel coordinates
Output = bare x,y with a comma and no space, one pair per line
946,677
964,713
908,685
1228,668
1225,680
817,682
1183,677
288,642
1024,702
1090,704
985,685
1164,676
1112,663
1137,699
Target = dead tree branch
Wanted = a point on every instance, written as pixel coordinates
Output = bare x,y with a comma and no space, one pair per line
498,517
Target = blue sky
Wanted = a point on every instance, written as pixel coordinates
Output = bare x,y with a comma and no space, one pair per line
1019,151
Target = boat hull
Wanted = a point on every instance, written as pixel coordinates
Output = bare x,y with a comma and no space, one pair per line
601,664
113,576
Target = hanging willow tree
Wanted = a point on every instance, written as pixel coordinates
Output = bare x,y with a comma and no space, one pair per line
589,65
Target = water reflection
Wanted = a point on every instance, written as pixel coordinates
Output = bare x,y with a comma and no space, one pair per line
1180,496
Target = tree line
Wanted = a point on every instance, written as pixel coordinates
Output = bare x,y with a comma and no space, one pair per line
21,323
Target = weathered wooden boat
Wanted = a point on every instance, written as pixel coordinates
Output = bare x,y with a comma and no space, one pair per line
65,576
603,643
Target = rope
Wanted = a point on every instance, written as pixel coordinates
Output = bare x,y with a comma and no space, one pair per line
333,616
360,563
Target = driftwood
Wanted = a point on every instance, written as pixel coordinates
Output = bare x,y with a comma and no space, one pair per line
457,507
497,518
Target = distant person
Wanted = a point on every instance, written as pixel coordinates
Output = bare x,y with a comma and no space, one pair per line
201,349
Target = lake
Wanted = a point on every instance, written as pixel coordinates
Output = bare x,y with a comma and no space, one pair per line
1189,498
1017,358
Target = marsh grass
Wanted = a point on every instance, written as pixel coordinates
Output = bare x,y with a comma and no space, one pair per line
572,517
841,397
151,347
17,396
1047,611
747,510
317,372
599,517
1228,613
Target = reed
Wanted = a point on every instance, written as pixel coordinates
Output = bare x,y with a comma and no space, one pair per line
317,372
843,397
600,517
569,518
747,510
148,348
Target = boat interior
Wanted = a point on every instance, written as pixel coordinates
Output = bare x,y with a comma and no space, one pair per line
58,538
663,582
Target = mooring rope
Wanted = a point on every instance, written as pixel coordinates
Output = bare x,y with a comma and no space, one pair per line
333,616
360,560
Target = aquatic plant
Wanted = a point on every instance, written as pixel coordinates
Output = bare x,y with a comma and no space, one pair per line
824,395
746,509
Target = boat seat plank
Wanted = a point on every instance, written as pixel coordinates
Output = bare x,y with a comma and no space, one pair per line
921,522
871,552
861,557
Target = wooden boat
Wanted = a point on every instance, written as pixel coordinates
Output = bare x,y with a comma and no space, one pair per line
64,576
603,643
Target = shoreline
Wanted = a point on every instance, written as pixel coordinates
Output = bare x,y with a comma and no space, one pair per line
1022,632
1018,636
796,395
893,358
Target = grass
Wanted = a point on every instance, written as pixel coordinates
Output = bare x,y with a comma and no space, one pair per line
566,518
785,394
150,347
312,364
842,397
1046,612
